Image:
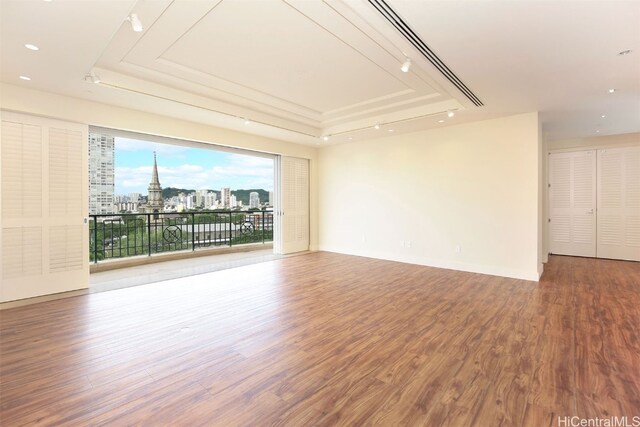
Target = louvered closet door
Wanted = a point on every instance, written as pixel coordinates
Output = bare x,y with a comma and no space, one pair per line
43,237
619,203
294,202
572,195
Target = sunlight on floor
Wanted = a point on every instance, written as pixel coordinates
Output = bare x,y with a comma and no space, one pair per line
150,273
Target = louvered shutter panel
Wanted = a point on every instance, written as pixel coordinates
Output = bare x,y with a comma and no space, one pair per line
572,177
294,176
619,203
43,238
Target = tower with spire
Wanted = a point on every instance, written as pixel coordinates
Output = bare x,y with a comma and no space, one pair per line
155,203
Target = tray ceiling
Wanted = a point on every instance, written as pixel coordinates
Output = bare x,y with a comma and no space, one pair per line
313,68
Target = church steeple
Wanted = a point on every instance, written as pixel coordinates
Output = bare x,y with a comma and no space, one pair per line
155,203
154,177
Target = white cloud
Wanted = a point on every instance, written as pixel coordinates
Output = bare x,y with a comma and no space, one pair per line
241,172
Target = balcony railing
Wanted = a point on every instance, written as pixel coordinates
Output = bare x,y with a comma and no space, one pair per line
126,235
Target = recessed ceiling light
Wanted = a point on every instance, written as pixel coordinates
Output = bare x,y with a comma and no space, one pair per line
136,24
450,114
325,138
406,65
25,78
612,90
48,1
247,121
31,46
597,131
625,52
390,130
377,126
604,116
440,121
350,138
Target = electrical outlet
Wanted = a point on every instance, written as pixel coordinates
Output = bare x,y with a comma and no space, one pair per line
458,249
408,243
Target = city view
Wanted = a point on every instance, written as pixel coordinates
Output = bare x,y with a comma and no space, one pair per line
147,198
124,176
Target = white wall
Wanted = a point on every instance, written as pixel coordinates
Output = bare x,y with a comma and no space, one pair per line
475,185
18,99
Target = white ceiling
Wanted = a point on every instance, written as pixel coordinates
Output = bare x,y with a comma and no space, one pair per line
301,69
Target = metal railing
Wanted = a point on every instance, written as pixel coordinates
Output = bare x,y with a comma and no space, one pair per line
126,235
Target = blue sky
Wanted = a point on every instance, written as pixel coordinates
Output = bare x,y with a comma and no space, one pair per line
185,167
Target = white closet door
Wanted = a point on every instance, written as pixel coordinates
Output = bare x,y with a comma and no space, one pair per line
294,205
572,199
619,203
43,236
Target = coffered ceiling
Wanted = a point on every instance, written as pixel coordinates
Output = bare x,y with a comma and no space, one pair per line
300,70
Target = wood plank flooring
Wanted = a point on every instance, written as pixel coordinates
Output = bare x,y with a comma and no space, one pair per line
326,339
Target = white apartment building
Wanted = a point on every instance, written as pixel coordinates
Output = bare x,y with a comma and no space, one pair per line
101,173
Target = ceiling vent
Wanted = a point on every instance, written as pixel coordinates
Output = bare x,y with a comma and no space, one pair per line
390,15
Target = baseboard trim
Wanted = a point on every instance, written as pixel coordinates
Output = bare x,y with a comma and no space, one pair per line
42,298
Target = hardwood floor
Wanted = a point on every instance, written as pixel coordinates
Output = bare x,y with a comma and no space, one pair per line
328,339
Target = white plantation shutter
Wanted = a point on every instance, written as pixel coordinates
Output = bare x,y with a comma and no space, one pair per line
572,195
619,203
21,252
21,171
65,173
43,236
294,205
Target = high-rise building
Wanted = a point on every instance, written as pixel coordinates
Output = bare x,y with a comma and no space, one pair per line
134,197
270,198
190,201
225,195
233,201
254,200
101,173
209,200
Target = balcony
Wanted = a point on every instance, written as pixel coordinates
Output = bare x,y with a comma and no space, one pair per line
120,236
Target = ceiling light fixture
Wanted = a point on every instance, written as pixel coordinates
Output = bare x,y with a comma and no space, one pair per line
440,121
325,138
136,24
25,78
390,130
625,52
450,114
597,131
31,46
92,78
612,90
406,65
247,121
376,126
604,116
